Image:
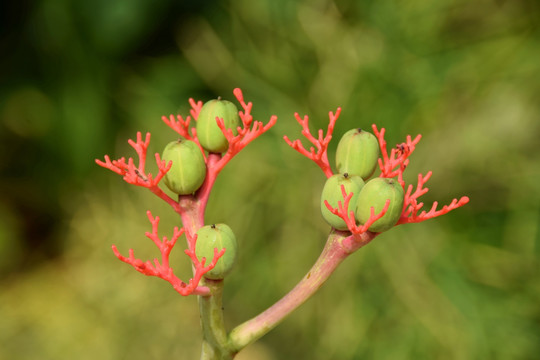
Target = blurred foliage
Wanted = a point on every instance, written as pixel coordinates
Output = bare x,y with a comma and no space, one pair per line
78,78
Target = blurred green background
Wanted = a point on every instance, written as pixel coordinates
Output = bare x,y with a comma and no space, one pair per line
79,78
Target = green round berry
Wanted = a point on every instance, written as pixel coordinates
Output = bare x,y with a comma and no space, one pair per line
332,193
374,194
188,169
357,153
210,135
218,236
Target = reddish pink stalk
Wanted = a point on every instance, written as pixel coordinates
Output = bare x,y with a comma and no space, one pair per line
331,257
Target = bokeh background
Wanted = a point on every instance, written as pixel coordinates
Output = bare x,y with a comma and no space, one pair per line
79,78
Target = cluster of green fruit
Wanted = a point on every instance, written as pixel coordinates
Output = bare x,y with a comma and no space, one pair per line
188,172
188,169
356,159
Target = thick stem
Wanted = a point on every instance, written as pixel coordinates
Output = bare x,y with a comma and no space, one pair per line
332,255
215,346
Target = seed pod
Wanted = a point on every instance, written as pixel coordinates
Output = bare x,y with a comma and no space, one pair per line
374,194
218,236
210,135
332,193
188,168
357,153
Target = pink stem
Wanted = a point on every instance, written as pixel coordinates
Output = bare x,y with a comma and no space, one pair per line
332,255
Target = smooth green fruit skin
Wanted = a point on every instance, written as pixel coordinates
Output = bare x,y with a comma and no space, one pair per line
217,236
357,153
332,193
188,168
374,194
210,135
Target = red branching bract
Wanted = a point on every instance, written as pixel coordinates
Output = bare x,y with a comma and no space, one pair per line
195,108
136,175
249,131
321,143
163,269
343,212
181,125
395,164
411,205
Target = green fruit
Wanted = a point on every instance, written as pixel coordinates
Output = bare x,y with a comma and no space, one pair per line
332,193
374,194
217,236
357,153
210,135
188,168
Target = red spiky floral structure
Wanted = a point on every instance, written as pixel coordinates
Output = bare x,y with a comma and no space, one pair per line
191,208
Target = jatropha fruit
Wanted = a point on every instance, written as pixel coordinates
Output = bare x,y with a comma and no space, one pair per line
332,194
357,153
217,236
374,195
210,135
378,205
188,169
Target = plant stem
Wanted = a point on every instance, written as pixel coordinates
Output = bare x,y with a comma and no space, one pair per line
215,342
332,255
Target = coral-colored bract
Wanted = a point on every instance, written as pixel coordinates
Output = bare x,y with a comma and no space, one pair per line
163,269
321,143
394,165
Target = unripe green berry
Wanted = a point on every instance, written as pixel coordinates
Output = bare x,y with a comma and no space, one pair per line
357,153
218,236
188,169
210,135
374,194
332,193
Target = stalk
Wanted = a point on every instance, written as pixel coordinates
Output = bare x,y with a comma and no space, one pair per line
215,342
332,255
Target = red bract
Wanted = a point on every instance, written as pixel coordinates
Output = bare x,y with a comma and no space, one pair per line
347,215
181,125
394,165
320,157
248,132
163,270
136,175
411,205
